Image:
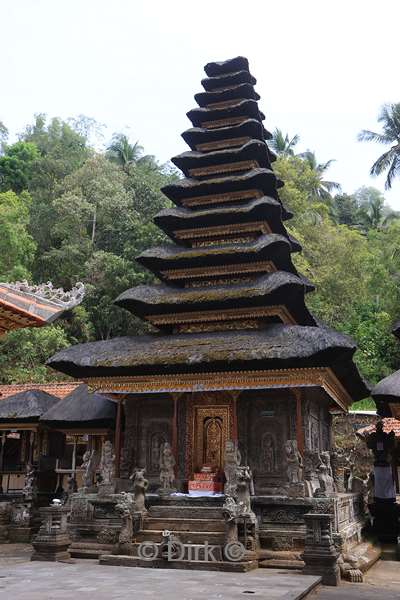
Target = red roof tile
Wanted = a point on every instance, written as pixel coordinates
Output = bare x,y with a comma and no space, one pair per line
59,389
389,425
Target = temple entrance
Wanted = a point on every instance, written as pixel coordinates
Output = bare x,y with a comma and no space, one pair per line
209,426
211,430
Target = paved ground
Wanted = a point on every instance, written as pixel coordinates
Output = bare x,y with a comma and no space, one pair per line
22,580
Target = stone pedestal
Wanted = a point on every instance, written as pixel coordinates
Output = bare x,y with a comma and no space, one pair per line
52,541
4,522
106,489
320,555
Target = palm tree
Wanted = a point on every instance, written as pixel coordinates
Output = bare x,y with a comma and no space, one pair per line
323,188
390,160
282,144
373,213
125,154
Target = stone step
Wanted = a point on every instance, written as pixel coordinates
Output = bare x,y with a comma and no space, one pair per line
87,550
186,512
186,537
132,561
183,524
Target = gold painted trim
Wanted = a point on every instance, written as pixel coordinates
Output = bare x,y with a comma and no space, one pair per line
221,144
225,315
226,380
251,194
233,167
253,267
260,227
217,123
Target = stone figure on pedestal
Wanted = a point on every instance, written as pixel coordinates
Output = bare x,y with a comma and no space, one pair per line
167,469
125,508
89,467
326,482
294,463
140,485
29,489
232,459
107,463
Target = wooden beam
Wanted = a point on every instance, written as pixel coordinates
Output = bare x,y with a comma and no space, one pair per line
299,421
118,439
174,440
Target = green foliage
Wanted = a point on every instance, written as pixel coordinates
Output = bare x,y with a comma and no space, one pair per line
17,247
23,353
389,161
17,165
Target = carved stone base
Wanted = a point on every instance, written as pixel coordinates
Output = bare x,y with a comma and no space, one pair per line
323,566
320,555
19,534
296,490
51,547
106,489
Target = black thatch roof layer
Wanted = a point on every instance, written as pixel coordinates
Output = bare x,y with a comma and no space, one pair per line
396,329
216,69
242,108
243,90
274,289
227,80
263,180
264,209
276,347
388,389
254,150
268,247
81,409
26,406
251,128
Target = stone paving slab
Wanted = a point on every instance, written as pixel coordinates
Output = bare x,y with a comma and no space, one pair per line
86,579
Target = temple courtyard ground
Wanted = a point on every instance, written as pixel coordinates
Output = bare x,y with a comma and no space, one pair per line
22,580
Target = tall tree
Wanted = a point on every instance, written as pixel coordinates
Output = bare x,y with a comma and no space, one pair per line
323,188
389,161
373,213
282,144
125,154
17,166
17,248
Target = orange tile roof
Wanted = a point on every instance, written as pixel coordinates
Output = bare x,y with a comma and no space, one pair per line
59,389
389,425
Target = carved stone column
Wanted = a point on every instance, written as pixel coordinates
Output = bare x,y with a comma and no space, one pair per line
320,554
52,541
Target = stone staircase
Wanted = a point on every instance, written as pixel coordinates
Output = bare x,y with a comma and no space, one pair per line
195,527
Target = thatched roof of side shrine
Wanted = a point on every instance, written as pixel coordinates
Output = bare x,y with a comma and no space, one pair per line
26,406
388,389
275,347
81,408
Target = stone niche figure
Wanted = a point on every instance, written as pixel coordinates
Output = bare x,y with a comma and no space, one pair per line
326,483
167,469
232,459
294,462
140,485
29,489
244,491
88,467
107,463
268,454
125,508
383,445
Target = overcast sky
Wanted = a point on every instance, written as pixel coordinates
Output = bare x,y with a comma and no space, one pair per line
324,68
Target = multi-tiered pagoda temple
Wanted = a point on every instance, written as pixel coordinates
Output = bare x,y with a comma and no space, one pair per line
237,354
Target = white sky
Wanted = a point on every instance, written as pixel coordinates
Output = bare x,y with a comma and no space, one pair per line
323,68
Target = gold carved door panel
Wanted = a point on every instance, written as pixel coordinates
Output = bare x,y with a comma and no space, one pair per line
211,429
